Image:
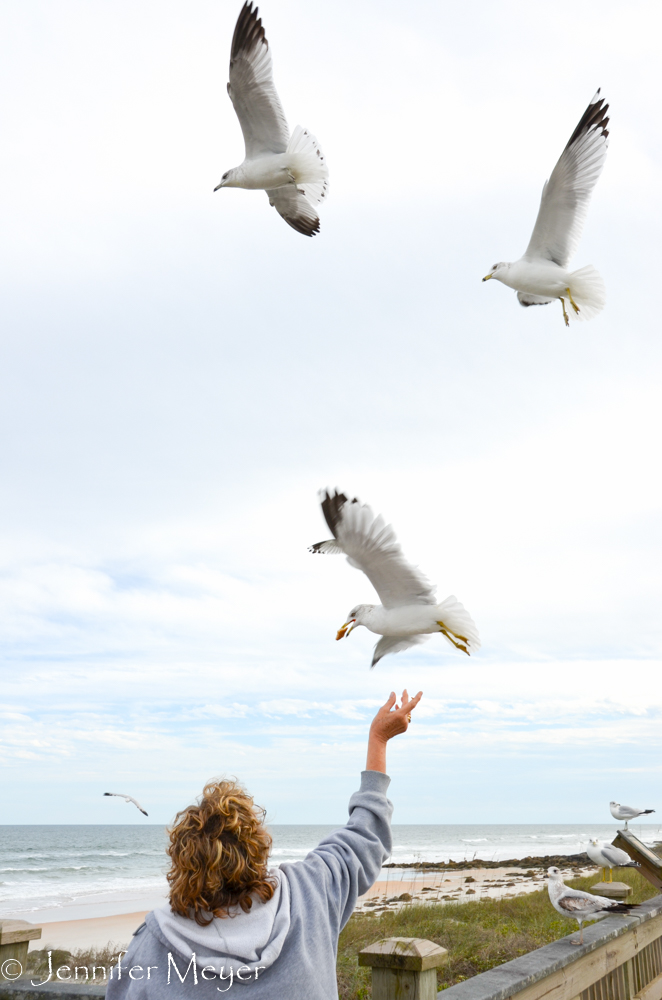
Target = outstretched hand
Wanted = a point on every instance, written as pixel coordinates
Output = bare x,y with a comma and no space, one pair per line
390,721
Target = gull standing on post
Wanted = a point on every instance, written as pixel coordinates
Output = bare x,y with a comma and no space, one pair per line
127,798
409,611
580,905
626,812
291,170
541,275
608,856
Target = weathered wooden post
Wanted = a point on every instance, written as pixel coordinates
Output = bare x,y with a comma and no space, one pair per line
651,865
404,968
15,937
613,890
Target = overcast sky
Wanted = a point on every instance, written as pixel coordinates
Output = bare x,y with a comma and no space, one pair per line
180,372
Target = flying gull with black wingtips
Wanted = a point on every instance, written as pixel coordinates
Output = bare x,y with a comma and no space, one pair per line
291,169
409,611
582,906
542,274
127,798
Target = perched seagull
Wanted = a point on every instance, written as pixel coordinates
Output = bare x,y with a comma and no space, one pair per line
128,799
541,275
608,856
626,812
580,905
292,170
409,609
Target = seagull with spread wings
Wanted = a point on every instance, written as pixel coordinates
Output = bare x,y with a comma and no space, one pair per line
127,798
542,275
291,169
582,906
608,856
409,611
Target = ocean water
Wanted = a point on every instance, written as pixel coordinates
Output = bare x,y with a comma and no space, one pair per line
69,872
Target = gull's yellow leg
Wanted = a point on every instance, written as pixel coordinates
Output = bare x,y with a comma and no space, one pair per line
572,301
449,635
611,874
604,874
565,315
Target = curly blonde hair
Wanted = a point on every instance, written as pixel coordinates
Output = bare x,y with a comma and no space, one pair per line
219,850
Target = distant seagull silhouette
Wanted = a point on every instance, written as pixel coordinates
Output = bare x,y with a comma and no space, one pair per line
128,799
626,812
291,169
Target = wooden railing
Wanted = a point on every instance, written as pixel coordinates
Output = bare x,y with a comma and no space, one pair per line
621,959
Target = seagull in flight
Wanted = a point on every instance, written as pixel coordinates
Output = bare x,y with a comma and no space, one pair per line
291,169
626,812
408,612
580,905
127,798
608,856
541,274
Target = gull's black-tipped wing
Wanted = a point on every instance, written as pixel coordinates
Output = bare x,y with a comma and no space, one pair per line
576,905
371,546
566,194
294,207
251,87
618,858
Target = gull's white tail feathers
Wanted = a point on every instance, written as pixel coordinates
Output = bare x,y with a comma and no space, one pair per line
308,164
459,622
588,291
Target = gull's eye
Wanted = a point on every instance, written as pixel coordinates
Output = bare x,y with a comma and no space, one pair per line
225,176
494,266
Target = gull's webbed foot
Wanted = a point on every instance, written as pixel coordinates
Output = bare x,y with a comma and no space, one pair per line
565,315
461,645
572,302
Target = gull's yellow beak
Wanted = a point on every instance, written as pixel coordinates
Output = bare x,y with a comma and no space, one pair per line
345,629
487,277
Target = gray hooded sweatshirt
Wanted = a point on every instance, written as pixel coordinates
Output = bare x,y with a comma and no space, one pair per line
284,949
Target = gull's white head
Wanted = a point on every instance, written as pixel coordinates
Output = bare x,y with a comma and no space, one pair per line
497,271
594,841
356,617
614,805
229,179
554,872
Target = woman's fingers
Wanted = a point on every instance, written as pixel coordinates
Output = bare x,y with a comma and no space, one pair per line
408,706
387,706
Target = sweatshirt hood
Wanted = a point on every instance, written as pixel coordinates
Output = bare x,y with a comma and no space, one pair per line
252,939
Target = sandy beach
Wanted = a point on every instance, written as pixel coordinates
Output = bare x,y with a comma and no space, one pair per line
92,932
466,886
462,886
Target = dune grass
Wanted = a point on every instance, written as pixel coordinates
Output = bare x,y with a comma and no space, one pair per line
87,965
478,935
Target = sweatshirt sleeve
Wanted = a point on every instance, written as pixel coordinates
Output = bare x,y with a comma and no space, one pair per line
347,862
